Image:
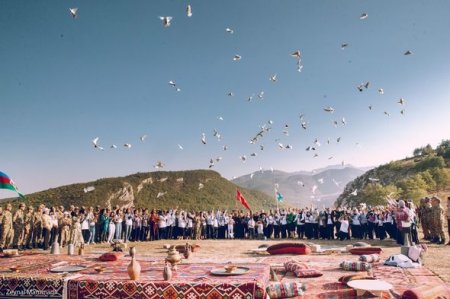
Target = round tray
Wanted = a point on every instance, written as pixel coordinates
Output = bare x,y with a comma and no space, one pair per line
222,272
68,268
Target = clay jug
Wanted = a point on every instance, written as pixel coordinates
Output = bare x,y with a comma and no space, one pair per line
81,250
167,272
187,251
70,249
55,248
134,268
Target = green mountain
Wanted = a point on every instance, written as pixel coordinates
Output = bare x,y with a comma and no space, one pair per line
193,190
427,172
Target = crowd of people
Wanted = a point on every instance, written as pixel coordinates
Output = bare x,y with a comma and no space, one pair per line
28,228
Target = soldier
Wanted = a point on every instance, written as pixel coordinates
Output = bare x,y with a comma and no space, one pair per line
1,219
425,217
19,227
437,221
66,224
7,228
448,218
37,227
28,231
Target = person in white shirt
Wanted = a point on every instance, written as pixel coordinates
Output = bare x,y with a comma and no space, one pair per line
128,224
251,227
300,221
162,226
230,228
344,228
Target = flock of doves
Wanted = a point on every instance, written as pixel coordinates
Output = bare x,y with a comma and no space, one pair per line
297,55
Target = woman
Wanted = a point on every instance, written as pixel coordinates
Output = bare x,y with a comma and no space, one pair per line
128,224
112,227
92,217
403,220
104,225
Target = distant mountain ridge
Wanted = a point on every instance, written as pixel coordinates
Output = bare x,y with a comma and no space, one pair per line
302,188
197,190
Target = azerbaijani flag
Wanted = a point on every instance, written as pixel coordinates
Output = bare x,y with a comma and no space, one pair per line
279,197
7,183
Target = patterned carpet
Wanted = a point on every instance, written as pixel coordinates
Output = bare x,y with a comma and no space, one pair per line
191,281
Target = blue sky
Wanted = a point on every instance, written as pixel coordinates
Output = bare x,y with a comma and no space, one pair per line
105,74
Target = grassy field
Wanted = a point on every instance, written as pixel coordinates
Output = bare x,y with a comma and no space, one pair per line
436,260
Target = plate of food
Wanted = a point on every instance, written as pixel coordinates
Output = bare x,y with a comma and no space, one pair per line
68,268
229,270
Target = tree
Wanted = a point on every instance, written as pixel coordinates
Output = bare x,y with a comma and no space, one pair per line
442,178
413,187
442,148
427,150
429,180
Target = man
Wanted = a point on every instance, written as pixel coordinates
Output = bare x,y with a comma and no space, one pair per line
37,227
448,218
19,227
437,213
28,228
7,228
66,225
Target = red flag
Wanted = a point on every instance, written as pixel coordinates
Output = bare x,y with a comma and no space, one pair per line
242,200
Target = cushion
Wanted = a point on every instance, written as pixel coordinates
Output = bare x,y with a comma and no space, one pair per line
289,248
370,258
291,266
306,273
361,244
355,266
365,250
414,252
111,256
181,248
427,291
285,289
346,278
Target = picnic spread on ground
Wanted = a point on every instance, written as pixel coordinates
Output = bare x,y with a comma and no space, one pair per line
314,275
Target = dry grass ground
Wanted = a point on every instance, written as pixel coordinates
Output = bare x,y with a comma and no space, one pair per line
437,259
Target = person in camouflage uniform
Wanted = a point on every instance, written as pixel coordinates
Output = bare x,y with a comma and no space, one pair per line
7,228
1,219
448,218
437,221
425,217
37,227
28,230
66,225
19,227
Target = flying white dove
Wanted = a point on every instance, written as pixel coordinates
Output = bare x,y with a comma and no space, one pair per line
274,78
166,21
203,138
180,146
251,175
127,145
189,11
374,179
297,54
380,90
229,30
300,183
401,101
73,12
313,189
329,109
387,113
343,46
343,121
237,57
225,147
143,137
96,145
220,117
402,112
158,165
408,53
200,186
355,192
363,16
230,94
162,180
113,146
243,158
320,180
172,83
